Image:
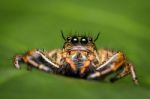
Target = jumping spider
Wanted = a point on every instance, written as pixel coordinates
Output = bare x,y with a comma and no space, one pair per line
79,57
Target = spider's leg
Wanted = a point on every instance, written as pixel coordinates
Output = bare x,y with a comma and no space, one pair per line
133,74
128,69
115,62
37,59
87,65
122,73
71,64
17,60
39,65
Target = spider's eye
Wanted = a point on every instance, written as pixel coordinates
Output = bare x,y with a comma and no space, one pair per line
68,38
74,40
90,39
84,40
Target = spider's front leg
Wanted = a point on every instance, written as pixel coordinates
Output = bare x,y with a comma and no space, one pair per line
87,64
35,58
116,62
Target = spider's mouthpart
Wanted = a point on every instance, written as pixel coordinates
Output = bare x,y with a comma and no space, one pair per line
78,58
78,48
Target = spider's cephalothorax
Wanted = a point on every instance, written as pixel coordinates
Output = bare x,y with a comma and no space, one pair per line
79,57
79,52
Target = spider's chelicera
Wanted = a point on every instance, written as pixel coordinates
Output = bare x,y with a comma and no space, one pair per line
80,58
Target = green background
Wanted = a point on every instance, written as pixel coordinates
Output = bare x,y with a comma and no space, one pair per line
27,24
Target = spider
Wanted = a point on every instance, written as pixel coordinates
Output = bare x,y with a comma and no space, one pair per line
79,58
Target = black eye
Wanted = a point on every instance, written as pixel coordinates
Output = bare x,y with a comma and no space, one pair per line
84,40
74,40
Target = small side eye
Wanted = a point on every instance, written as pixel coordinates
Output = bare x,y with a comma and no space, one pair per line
68,38
74,40
84,40
90,39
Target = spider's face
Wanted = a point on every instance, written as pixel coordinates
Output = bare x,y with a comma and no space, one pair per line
79,49
79,43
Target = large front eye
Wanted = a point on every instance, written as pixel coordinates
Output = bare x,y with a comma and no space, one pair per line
74,40
84,40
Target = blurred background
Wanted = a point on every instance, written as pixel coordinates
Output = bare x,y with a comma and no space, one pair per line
27,24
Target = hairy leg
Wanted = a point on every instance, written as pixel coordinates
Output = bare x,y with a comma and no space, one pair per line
133,74
112,65
109,66
127,69
35,58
